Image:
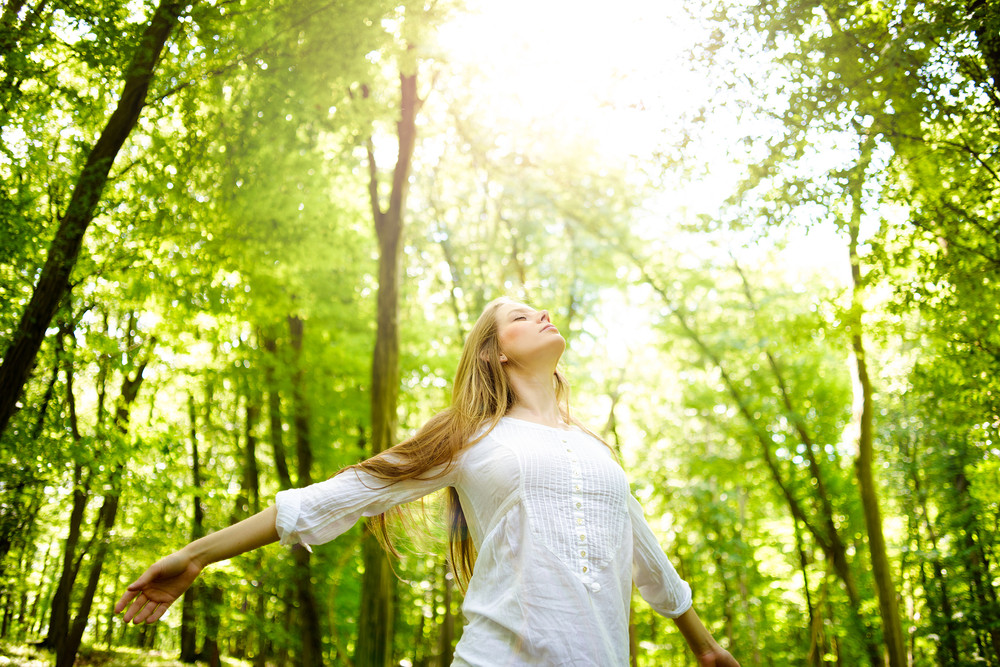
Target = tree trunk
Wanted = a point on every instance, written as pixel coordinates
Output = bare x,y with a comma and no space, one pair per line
446,638
274,412
59,617
189,621
892,628
248,500
53,282
311,635
375,627
60,608
105,521
251,495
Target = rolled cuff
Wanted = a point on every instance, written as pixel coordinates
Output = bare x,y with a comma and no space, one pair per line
288,504
323,511
653,573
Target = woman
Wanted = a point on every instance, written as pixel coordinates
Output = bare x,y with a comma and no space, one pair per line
539,505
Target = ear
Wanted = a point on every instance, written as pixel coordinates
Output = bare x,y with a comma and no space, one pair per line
486,357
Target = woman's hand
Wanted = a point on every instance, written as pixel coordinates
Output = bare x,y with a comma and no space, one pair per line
153,593
168,578
703,645
717,657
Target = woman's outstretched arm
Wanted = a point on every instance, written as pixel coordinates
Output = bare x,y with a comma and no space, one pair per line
167,579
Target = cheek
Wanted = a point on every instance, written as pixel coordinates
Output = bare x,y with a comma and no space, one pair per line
509,337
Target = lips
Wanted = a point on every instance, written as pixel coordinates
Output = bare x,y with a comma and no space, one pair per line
549,326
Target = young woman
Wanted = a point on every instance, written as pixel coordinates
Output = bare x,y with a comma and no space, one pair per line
543,522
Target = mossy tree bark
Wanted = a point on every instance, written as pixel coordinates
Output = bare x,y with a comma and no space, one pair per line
375,626
54,281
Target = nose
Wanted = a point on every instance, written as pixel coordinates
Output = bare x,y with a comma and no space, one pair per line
544,316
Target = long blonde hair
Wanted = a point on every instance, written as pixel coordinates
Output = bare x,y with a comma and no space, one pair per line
481,395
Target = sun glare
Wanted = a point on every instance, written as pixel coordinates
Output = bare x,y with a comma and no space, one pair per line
611,72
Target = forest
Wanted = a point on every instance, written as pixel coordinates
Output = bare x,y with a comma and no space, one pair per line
242,241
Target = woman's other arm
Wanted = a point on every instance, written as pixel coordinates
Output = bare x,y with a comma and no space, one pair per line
660,585
705,648
167,579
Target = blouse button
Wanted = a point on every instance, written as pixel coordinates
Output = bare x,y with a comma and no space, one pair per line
582,537
579,522
584,568
579,505
583,554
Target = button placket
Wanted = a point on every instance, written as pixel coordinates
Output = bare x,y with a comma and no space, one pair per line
579,517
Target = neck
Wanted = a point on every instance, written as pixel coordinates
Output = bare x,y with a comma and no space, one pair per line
536,398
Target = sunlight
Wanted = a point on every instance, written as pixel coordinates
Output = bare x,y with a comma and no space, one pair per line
612,74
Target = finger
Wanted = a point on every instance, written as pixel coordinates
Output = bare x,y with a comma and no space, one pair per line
160,610
145,612
124,600
136,607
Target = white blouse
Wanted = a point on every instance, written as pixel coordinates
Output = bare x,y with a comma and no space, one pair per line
560,541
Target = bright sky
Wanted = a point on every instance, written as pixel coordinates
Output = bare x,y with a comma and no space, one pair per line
613,70
621,74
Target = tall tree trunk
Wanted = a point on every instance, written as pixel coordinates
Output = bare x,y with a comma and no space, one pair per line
375,627
274,412
210,598
59,616
248,500
250,494
106,521
17,521
66,656
892,628
446,638
53,282
311,635
189,621
815,628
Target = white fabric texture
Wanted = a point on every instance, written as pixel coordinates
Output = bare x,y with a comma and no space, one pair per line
560,541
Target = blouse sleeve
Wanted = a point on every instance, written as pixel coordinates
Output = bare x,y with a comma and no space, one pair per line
320,512
653,574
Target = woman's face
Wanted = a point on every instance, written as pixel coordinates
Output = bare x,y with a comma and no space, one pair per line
527,336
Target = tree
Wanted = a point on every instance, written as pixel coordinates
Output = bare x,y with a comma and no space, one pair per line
376,632
54,279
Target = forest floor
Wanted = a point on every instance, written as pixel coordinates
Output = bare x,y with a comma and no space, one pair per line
24,655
